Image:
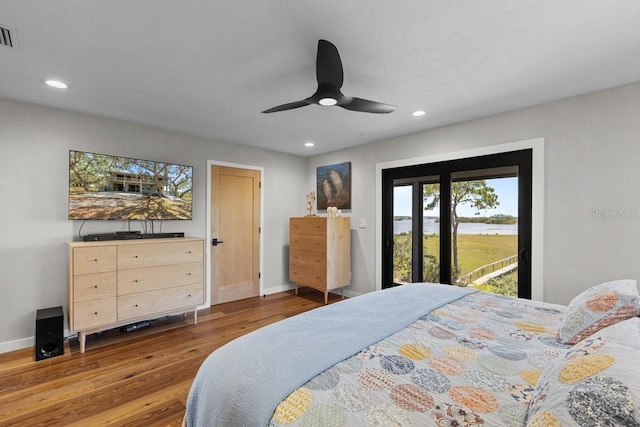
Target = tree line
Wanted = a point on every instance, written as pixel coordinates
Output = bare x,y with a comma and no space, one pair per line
493,219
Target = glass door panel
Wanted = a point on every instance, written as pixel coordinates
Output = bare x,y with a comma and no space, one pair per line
416,230
402,234
484,229
430,232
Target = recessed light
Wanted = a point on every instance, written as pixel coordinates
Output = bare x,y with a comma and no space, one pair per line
327,102
56,83
418,113
309,144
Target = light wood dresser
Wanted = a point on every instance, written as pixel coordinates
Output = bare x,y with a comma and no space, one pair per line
116,283
320,253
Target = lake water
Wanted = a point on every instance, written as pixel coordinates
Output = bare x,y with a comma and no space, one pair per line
431,226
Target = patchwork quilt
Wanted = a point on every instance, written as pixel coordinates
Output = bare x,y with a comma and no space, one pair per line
472,362
433,355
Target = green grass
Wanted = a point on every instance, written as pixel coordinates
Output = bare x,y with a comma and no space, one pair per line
476,250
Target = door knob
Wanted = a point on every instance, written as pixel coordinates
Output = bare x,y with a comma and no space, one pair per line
216,242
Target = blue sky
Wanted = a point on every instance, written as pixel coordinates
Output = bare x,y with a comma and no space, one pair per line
505,188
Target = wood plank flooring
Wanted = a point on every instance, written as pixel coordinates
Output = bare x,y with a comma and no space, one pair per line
139,378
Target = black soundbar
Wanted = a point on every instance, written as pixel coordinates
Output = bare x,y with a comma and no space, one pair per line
120,235
160,235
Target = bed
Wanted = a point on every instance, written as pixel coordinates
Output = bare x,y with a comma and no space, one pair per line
432,355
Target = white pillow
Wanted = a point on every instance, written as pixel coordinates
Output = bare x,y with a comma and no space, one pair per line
597,308
596,383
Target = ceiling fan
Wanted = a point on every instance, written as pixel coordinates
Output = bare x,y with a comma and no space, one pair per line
330,76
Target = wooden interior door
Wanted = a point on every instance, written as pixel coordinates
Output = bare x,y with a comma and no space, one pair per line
235,232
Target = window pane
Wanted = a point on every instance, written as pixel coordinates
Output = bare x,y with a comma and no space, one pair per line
431,233
402,234
484,232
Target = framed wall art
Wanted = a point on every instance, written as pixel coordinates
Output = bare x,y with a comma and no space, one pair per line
334,186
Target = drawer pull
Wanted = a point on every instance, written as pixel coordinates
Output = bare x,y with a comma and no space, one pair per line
136,305
95,286
188,252
95,313
189,295
135,256
95,260
189,274
135,281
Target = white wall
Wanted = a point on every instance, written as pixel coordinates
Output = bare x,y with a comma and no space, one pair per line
34,149
592,151
592,147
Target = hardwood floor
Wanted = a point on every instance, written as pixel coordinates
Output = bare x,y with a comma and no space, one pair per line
139,378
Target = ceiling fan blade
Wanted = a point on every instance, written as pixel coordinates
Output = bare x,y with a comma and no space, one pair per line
328,65
289,106
366,106
330,76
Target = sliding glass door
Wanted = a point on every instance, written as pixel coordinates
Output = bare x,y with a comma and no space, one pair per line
465,222
409,220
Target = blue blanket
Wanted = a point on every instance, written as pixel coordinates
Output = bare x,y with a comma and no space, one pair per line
242,383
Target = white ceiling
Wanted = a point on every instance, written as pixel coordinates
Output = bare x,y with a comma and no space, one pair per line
209,68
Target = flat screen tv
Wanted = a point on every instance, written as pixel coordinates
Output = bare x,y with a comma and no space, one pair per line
104,187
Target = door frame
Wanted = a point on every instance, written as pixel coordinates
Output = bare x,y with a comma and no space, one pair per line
500,165
208,235
537,201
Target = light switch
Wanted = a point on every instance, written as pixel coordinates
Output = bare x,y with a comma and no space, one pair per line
363,223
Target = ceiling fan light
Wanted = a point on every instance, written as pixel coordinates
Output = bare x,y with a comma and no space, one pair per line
56,84
327,102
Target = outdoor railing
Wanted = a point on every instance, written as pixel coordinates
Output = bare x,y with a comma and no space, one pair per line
486,269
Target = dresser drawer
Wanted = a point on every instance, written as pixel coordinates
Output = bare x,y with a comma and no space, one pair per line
166,253
93,313
154,278
145,304
94,260
308,276
308,242
308,259
308,225
94,286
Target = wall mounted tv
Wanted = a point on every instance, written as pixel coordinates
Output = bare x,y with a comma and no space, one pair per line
105,187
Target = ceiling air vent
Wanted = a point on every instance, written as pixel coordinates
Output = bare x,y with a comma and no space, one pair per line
5,37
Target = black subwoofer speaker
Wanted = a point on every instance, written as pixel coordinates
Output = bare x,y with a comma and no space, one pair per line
49,333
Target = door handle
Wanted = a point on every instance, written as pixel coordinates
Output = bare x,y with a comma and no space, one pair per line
523,255
215,242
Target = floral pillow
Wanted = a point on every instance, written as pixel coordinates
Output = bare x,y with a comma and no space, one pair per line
596,383
597,308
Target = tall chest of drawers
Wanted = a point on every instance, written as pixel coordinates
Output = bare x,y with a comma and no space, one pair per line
115,283
320,253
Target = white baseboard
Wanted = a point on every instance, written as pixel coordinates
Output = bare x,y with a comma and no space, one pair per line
347,293
8,346
282,288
